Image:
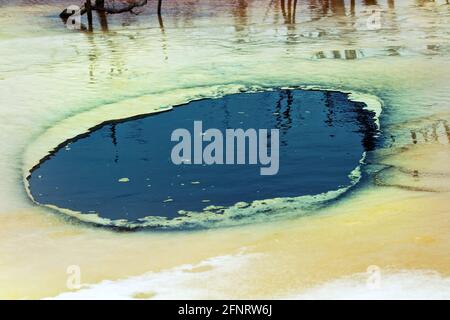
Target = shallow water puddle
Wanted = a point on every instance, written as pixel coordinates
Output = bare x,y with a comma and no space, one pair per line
123,170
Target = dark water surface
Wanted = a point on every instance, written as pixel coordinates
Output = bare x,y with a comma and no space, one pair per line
123,170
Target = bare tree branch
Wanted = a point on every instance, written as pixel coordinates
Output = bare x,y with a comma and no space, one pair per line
131,5
111,10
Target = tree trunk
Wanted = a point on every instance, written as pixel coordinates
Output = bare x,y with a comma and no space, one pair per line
89,13
159,7
100,3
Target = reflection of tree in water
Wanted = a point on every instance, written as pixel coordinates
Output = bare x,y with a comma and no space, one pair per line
337,7
370,2
285,10
329,105
115,54
283,118
288,9
112,129
284,108
227,115
319,9
239,12
323,8
136,136
433,132
92,57
184,13
103,21
367,127
364,119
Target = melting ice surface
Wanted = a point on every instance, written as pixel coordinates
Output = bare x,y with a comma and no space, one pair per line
123,170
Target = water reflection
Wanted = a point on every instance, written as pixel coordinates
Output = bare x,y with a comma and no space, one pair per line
183,13
103,21
322,138
313,29
282,113
114,141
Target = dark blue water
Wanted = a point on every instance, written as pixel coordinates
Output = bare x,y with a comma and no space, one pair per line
322,138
